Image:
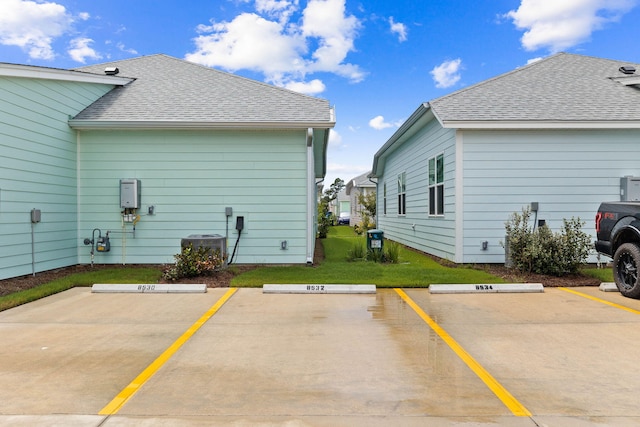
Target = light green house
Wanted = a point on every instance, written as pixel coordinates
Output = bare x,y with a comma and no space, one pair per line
556,136
196,149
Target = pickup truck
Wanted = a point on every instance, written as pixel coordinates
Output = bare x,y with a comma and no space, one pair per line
618,236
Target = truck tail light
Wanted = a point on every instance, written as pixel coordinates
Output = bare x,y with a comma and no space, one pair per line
598,219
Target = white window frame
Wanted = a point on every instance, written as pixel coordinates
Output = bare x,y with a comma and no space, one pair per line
402,194
435,168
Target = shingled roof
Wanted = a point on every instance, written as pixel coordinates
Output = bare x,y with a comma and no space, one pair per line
563,91
170,92
559,89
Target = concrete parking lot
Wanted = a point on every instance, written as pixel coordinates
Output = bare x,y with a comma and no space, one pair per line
565,357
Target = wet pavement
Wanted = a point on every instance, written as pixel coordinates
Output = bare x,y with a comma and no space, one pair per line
557,358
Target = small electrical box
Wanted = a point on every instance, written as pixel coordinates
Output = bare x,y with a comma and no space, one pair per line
630,189
36,216
130,193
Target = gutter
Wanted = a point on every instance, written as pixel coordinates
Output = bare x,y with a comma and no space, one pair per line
311,198
44,73
178,124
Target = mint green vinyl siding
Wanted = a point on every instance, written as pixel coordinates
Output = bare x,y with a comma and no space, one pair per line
38,170
435,235
190,177
568,172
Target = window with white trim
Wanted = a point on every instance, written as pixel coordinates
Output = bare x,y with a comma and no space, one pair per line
436,185
384,198
402,194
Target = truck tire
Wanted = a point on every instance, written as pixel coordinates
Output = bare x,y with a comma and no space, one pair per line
626,263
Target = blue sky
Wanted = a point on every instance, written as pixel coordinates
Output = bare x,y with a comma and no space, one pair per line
375,61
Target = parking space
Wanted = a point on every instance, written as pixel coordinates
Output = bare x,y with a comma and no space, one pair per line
566,357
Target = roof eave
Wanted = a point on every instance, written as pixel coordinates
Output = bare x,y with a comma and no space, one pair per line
543,124
378,158
193,125
32,72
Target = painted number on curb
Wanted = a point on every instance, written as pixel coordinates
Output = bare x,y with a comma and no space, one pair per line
315,288
484,288
144,288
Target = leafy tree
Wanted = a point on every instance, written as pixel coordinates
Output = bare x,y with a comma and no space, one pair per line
367,213
324,215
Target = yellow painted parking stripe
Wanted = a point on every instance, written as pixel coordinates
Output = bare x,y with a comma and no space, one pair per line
612,304
507,398
114,406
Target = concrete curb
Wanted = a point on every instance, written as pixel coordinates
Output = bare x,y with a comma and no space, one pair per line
486,288
608,287
172,288
318,289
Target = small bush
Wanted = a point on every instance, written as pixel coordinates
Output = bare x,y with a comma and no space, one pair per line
392,252
357,252
191,262
542,251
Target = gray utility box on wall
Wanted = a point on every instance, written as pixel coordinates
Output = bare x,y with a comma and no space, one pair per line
630,189
214,242
130,193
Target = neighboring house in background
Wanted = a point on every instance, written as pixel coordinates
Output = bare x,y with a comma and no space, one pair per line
343,204
360,185
556,135
197,140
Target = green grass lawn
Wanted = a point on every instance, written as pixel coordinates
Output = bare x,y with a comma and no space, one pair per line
115,275
412,270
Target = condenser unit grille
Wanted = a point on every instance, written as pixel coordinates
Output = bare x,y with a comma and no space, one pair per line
214,242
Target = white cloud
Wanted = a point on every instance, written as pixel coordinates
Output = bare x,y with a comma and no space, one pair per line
250,42
123,48
378,123
282,48
84,16
79,50
280,9
326,22
447,74
335,139
33,26
558,25
399,29
309,88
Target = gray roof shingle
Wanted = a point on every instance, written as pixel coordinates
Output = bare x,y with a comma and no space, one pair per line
168,89
561,88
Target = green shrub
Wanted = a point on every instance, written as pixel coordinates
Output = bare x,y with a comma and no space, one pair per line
191,262
541,250
391,252
357,252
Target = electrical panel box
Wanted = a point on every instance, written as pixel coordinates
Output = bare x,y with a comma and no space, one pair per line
630,189
130,193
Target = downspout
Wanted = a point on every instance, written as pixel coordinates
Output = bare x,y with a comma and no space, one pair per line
312,211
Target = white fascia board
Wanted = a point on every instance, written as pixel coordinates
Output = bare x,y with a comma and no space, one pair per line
541,125
142,124
26,71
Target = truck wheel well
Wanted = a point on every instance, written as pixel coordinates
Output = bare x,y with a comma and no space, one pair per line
626,235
